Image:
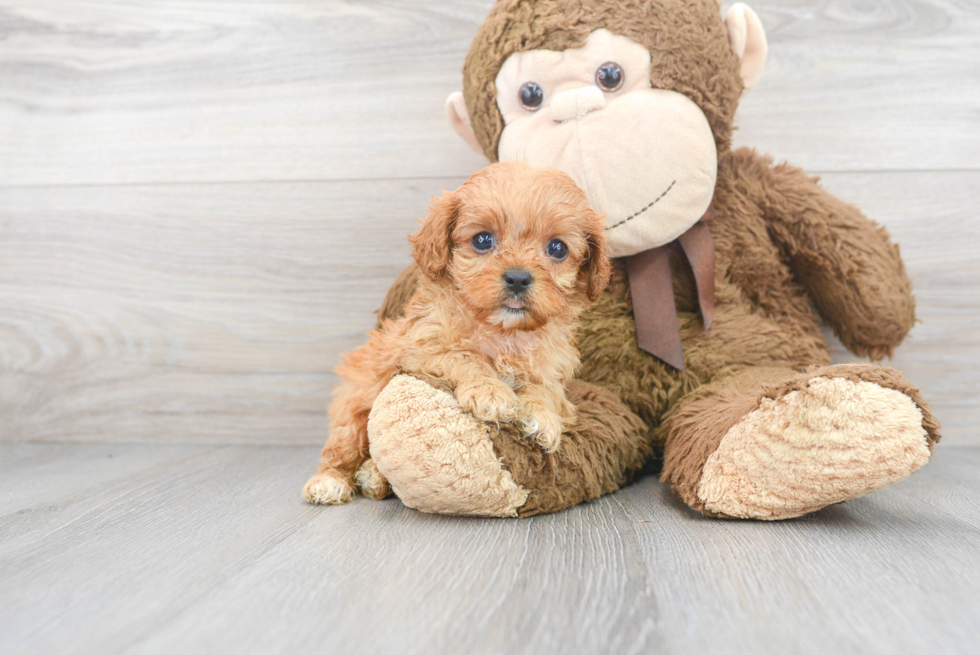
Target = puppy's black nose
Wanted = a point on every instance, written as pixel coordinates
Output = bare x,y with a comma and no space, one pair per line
517,280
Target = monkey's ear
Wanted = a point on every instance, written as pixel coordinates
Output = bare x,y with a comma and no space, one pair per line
748,40
432,244
459,118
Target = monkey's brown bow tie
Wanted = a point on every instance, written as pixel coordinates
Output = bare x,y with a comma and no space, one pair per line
652,291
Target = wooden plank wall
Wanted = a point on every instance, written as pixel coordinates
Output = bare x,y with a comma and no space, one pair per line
201,203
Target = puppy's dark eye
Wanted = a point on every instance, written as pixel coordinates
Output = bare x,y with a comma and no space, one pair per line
557,249
531,96
482,242
609,76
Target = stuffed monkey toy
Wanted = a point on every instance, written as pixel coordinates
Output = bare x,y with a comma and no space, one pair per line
705,348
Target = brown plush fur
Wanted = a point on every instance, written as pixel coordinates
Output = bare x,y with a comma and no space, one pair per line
788,255
694,429
600,453
507,355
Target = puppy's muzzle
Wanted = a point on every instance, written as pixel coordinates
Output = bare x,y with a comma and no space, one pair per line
518,280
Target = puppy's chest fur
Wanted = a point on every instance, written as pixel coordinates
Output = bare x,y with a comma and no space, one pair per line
542,356
433,323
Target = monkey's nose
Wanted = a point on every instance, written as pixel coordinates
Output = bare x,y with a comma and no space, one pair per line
575,103
517,280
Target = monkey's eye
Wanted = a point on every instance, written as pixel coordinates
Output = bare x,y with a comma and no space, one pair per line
482,242
557,249
609,76
531,96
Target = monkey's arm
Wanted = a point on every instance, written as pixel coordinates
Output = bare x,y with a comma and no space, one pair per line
398,295
848,264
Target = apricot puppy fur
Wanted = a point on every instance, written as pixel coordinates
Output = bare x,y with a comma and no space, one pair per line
508,262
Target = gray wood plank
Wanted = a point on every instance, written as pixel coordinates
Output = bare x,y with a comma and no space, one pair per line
115,91
38,471
130,552
868,576
213,550
930,215
423,584
195,311
867,85
215,313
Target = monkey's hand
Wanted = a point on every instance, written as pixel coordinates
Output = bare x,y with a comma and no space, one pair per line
849,266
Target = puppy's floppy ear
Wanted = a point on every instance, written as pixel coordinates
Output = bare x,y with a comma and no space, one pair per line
432,244
596,267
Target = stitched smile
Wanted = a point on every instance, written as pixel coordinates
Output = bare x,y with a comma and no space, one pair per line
655,201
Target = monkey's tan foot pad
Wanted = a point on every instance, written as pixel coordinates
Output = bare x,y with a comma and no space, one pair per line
436,457
828,441
328,489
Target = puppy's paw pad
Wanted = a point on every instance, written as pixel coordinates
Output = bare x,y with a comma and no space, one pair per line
370,482
328,489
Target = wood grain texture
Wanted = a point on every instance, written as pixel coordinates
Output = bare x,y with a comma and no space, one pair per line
201,549
196,312
116,91
931,216
216,313
869,85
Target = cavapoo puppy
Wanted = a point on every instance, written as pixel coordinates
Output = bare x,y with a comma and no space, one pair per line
508,261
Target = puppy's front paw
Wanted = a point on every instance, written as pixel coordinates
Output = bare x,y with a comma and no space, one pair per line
489,400
328,489
545,428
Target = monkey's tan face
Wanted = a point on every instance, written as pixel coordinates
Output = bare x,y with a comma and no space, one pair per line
645,157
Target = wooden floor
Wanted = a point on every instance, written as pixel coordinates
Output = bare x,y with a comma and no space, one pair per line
202,202
154,548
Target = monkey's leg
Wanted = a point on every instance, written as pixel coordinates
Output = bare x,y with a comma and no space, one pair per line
439,458
770,443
